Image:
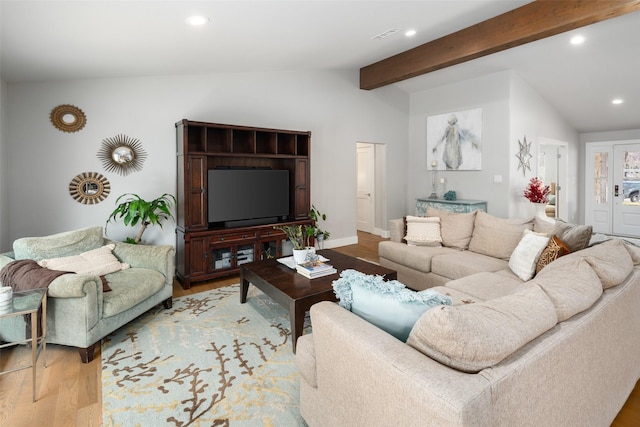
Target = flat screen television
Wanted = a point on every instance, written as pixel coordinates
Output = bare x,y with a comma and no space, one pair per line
238,197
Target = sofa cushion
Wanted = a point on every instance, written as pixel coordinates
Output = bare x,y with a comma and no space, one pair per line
571,284
389,305
543,224
476,336
416,257
610,260
423,231
58,245
457,297
130,287
96,262
554,250
497,237
525,256
455,265
455,228
575,236
486,286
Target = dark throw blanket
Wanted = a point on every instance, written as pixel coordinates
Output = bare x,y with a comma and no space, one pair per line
24,275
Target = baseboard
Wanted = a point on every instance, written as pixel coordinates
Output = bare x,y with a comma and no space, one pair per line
336,243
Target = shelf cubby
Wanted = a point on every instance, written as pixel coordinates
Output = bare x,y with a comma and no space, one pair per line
218,140
286,144
266,143
243,141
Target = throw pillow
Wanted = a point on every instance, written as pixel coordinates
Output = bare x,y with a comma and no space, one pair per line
389,305
554,250
423,231
497,237
577,237
455,228
96,262
525,256
473,337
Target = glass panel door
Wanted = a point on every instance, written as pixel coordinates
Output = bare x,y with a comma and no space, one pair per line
597,188
626,189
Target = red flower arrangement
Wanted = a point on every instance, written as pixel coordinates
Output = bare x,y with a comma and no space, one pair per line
536,191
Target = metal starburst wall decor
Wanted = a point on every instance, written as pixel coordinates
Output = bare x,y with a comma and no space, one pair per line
524,155
122,154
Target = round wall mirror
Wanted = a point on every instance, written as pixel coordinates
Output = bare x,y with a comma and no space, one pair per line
89,188
122,154
68,118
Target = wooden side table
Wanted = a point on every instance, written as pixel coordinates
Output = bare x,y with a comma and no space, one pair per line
28,303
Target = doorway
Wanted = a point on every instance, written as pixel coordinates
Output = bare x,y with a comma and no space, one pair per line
371,187
553,171
612,187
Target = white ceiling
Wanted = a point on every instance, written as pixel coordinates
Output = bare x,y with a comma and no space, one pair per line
62,40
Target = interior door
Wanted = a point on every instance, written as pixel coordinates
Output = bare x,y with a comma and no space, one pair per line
626,189
365,187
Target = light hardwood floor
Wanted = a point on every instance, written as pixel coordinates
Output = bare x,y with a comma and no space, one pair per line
69,392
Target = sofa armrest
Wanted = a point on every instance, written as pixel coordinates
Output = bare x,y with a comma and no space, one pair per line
155,257
370,376
5,259
396,230
75,286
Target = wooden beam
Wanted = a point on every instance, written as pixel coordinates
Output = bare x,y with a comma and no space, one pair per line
533,21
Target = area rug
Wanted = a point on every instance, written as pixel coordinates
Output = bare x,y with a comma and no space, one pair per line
208,361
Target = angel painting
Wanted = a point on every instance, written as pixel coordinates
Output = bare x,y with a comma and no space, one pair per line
453,140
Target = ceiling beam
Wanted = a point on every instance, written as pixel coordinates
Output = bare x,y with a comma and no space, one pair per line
533,21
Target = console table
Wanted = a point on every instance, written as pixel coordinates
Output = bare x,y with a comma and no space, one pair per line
457,206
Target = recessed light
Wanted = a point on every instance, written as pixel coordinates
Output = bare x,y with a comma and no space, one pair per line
617,101
410,33
197,20
577,40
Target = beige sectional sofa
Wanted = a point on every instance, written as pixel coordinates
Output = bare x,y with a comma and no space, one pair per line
559,349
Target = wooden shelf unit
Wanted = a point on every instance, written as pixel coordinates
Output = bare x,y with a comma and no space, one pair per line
204,252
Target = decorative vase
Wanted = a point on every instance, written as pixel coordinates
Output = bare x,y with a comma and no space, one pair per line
300,255
540,209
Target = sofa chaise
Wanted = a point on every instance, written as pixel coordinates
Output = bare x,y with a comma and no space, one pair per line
81,310
558,349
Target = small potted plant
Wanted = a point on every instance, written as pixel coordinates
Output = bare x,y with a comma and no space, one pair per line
134,210
297,236
319,234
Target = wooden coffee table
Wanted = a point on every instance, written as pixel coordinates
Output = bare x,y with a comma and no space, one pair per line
297,293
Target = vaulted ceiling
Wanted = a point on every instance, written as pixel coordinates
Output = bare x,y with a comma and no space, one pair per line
87,39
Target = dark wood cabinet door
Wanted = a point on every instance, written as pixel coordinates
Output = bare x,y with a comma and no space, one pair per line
301,195
199,256
196,205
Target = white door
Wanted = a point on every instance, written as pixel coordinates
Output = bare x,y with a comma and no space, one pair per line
598,199
366,187
626,189
553,170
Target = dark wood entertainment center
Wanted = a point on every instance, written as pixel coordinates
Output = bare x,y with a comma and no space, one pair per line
205,251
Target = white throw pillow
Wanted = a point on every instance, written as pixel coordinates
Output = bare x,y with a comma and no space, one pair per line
96,262
525,256
423,231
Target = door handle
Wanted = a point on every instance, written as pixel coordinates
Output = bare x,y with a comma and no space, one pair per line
615,190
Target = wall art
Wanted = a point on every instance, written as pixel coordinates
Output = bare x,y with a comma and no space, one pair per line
454,140
524,155
89,188
122,154
68,118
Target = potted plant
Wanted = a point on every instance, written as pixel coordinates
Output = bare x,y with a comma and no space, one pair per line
134,210
297,236
316,216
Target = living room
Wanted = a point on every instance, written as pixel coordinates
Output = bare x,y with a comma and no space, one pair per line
326,101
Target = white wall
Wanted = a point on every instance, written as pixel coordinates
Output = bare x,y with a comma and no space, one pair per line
510,110
489,93
533,117
4,173
329,104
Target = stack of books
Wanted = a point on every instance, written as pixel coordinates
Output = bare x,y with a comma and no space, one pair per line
315,269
